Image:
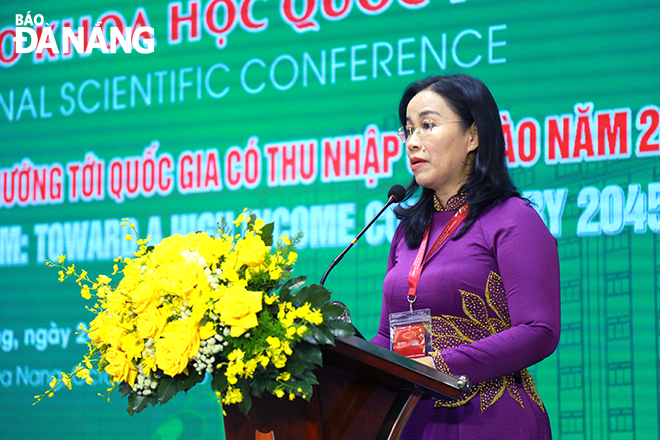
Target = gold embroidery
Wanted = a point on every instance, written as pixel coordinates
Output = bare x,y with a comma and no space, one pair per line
454,202
439,362
453,331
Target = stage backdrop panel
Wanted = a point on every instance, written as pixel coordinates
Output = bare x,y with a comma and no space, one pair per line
289,108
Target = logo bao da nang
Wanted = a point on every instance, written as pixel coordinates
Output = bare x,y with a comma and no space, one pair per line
128,40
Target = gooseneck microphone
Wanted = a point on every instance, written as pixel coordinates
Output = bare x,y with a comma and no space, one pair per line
395,195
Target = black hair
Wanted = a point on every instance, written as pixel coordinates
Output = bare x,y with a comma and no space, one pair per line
488,181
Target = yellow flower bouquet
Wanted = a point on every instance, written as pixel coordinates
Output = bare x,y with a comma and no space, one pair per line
199,305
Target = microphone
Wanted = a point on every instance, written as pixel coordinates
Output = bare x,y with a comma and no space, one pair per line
395,195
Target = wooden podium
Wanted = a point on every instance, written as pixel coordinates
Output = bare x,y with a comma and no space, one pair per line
365,393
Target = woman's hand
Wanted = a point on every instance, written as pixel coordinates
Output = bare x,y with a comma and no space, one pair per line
426,360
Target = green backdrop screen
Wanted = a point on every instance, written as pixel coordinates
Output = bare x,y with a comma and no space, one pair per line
289,108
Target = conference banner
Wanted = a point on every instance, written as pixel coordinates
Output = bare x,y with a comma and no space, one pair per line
179,115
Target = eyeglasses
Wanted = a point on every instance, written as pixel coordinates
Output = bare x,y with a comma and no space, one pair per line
422,131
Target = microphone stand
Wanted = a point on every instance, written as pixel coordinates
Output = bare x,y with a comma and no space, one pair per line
336,261
396,194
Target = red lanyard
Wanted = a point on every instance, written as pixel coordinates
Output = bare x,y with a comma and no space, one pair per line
420,261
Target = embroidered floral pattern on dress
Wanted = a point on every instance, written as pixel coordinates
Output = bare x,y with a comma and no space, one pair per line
453,204
453,331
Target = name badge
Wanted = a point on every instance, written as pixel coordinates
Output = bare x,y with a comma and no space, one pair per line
410,333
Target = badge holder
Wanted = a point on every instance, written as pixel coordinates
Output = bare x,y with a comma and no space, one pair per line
410,333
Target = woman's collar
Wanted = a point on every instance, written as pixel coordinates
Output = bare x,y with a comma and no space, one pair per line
453,204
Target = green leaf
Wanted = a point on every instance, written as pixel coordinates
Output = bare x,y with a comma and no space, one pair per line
191,380
341,329
323,335
137,403
310,377
331,311
125,389
284,295
167,388
246,403
268,229
302,384
258,384
306,388
310,353
315,294
271,386
267,234
295,364
294,283
219,382
291,284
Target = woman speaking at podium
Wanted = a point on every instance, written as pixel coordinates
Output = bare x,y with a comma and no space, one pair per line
480,258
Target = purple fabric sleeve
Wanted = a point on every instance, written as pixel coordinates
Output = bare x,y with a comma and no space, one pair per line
527,257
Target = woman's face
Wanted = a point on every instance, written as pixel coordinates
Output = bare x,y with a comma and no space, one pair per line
439,159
